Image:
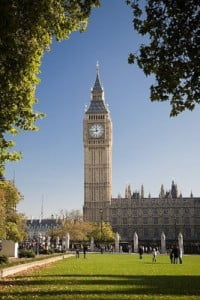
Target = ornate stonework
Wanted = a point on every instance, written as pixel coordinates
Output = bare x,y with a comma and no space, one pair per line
169,213
97,138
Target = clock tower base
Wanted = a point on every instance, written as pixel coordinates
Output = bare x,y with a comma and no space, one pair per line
96,212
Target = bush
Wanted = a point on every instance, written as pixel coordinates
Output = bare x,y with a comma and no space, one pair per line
47,251
3,259
59,251
26,253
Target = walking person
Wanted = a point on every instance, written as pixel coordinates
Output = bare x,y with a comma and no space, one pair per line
176,254
77,251
141,251
84,251
154,254
171,255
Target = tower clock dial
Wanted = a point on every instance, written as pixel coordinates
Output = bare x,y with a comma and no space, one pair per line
96,130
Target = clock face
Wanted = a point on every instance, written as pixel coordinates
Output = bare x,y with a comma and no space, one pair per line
96,130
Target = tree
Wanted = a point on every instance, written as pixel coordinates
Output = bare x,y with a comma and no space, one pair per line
172,50
73,215
2,214
12,223
79,231
27,29
102,232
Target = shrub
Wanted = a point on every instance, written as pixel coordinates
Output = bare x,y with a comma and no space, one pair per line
3,259
26,253
46,251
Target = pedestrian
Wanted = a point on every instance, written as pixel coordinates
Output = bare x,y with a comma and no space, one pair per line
176,254
77,251
84,251
171,255
154,254
141,251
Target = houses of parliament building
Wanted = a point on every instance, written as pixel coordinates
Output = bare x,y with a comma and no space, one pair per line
149,217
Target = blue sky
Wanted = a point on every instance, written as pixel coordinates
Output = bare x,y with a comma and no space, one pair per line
149,147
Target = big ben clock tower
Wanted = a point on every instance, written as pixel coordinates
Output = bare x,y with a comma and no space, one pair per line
97,138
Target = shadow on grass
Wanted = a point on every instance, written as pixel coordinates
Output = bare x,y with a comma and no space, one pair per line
87,285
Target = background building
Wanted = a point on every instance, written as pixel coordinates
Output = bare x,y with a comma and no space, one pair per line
149,217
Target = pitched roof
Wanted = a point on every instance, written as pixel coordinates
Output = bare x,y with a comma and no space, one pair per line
97,106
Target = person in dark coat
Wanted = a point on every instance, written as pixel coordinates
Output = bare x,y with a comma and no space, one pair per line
176,254
141,251
171,255
77,251
84,251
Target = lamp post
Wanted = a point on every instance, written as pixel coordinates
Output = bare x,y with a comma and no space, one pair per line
52,231
175,230
101,218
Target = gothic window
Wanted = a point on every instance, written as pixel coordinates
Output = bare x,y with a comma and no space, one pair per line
176,211
124,220
124,232
187,210
134,220
134,211
144,220
165,211
188,232
145,211
155,221
186,220
114,211
197,221
119,211
146,232
166,231
155,211
114,220
197,211
155,233
198,235
166,220
125,212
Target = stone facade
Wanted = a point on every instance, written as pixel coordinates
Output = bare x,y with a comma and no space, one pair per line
149,217
97,137
169,213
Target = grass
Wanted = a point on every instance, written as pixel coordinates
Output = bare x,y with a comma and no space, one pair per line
108,276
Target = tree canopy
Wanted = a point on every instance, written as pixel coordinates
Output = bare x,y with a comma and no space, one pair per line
172,51
79,231
12,223
27,29
72,222
102,232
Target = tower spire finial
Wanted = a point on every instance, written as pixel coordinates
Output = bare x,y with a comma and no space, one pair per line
97,66
97,91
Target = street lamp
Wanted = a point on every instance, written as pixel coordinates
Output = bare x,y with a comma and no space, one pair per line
101,217
175,230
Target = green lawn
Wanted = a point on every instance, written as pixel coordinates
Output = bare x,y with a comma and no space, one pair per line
108,276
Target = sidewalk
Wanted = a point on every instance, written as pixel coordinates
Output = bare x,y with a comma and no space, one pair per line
23,267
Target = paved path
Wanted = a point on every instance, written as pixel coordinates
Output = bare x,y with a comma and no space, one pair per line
23,267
